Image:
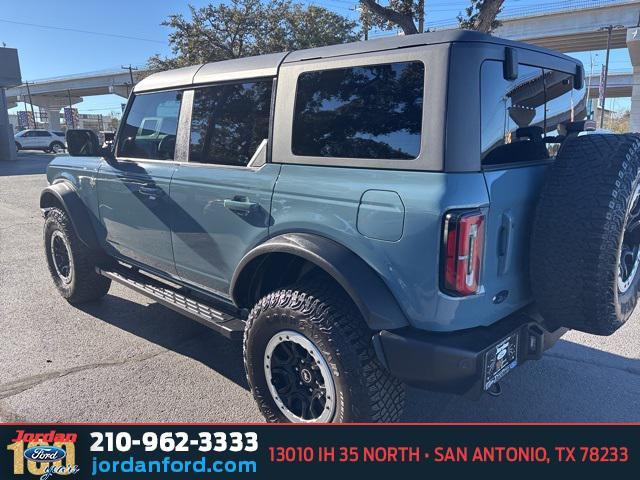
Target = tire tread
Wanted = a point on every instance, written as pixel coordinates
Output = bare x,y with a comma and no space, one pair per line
334,314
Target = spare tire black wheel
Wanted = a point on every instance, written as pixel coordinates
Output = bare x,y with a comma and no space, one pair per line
585,250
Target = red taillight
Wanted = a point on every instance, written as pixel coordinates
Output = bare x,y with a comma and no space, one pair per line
463,246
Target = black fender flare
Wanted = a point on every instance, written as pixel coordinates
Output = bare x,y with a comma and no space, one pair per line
366,288
64,194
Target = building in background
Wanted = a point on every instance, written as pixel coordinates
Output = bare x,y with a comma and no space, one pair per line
23,120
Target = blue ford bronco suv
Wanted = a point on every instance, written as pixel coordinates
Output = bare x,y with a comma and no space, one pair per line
427,210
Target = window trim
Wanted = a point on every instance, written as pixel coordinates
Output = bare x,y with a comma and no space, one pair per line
435,60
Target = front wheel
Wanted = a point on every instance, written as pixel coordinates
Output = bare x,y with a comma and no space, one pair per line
71,263
309,358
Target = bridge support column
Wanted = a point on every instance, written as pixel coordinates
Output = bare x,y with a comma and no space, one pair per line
7,143
633,44
54,117
53,104
634,118
120,90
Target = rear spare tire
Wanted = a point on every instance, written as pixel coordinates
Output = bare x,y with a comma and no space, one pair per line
585,249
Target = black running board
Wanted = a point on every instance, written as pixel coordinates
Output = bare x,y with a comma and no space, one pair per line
204,313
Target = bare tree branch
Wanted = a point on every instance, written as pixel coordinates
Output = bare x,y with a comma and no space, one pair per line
488,11
405,22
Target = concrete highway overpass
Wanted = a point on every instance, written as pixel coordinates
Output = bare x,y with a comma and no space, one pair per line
619,84
52,94
576,29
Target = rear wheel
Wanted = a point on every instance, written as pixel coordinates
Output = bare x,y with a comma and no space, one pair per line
309,358
586,235
56,147
71,263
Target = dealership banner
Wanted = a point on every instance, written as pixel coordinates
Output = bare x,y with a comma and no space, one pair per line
120,451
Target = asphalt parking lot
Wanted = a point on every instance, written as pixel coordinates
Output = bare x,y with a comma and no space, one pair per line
126,358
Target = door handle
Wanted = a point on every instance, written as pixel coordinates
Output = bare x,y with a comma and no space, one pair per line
149,191
240,205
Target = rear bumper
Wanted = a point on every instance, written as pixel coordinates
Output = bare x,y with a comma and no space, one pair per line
455,362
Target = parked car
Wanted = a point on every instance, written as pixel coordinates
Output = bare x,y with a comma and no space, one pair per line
363,216
40,140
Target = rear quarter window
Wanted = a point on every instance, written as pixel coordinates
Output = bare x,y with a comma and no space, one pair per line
368,112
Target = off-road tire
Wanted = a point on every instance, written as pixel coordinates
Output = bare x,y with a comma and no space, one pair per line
326,316
85,284
577,234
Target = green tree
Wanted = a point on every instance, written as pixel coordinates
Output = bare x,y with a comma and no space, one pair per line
619,121
398,13
480,15
242,28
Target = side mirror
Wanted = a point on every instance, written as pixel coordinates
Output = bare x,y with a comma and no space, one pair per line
83,143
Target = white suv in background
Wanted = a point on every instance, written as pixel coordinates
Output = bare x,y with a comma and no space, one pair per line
40,140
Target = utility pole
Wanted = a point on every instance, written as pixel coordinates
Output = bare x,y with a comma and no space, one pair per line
609,29
131,69
73,122
590,101
421,16
35,125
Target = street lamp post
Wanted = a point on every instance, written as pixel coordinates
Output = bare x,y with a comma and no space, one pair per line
73,122
590,101
609,29
35,125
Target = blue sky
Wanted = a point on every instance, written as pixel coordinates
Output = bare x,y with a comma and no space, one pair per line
46,52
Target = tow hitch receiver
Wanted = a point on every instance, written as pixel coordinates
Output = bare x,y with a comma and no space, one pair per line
467,362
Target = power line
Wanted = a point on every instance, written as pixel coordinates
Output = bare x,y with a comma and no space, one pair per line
76,30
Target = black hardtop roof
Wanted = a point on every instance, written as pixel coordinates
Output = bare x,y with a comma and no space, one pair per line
267,65
403,41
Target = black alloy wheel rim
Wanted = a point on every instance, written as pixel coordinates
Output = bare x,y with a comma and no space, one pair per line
299,378
61,256
630,249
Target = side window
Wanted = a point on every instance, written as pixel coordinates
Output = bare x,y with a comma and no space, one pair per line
370,112
229,122
149,130
42,134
